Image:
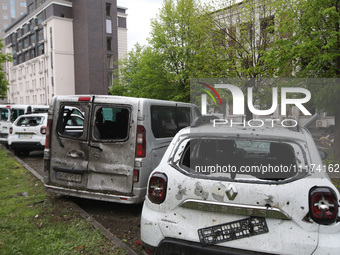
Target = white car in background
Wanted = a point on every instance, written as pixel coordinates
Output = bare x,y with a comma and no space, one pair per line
28,133
239,190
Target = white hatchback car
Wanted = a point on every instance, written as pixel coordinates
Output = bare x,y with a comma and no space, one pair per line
239,190
28,133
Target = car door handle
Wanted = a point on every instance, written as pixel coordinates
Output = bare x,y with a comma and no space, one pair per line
75,154
96,147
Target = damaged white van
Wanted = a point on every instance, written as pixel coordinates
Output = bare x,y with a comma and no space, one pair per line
111,152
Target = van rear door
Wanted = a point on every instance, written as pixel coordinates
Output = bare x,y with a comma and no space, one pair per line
112,145
69,151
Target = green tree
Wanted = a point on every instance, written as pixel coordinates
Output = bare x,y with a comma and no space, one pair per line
142,74
3,81
248,29
307,45
183,43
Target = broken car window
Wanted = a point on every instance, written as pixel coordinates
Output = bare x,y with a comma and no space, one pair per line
111,123
233,158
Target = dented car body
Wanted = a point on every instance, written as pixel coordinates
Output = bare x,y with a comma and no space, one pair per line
222,190
110,154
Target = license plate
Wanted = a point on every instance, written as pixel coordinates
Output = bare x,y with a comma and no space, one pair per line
233,230
25,136
68,177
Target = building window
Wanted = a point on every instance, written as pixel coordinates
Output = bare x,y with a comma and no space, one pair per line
40,18
12,4
4,6
20,46
110,61
108,9
41,50
39,2
27,56
30,8
33,39
109,43
26,42
33,53
121,22
109,26
20,59
26,28
109,79
51,37
42,83
40,35
267,27
5,16
247,30
22,4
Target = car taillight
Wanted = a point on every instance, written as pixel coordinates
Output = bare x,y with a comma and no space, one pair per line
157,188
140,142
10,130
323,205
135,175
43,130
48,133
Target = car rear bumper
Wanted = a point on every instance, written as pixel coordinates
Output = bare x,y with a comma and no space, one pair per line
3,137
284,237
125,199
175,246
27,146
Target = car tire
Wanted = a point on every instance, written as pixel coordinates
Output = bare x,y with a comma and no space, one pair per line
21,153
17,152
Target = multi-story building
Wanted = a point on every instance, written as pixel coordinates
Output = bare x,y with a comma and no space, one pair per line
63,47
10,10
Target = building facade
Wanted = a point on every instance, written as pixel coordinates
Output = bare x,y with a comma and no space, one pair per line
10,10
64,47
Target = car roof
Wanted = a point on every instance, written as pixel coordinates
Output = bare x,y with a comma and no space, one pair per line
43,114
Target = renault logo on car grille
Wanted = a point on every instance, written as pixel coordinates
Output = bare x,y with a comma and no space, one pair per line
231,192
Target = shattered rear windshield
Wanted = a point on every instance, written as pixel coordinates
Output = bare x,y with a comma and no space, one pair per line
30,121
240,158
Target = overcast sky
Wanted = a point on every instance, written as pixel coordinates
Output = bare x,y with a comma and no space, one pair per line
140,13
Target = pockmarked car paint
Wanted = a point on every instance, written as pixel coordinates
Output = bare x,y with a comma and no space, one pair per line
239,190
110,153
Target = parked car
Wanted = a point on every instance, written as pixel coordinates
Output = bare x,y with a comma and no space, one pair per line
10,112
111,154
28,133
239,190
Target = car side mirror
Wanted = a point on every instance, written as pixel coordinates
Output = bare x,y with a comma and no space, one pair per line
323,154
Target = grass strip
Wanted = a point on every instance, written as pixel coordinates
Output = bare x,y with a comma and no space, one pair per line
33,222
